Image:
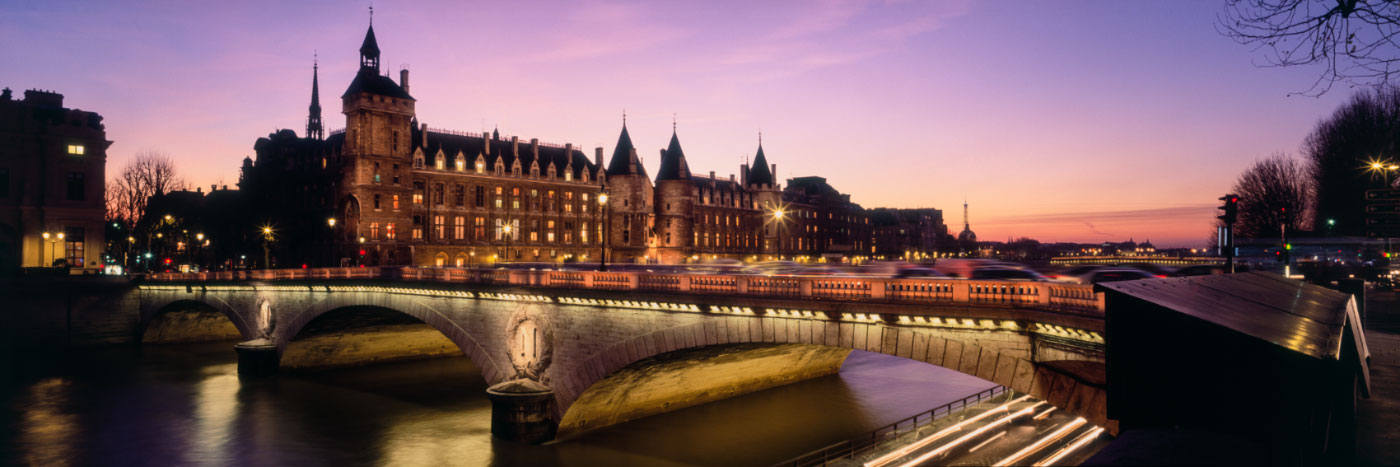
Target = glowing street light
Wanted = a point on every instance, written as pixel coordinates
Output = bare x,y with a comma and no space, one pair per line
330,222
607,227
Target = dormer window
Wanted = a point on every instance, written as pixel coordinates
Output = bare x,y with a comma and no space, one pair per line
438,163
76,149
568,176
461,165
480,167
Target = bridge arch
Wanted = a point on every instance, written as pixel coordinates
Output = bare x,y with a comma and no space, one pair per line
152,312
990,360
295,322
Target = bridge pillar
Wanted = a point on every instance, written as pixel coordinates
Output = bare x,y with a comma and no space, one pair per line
521,410
256,358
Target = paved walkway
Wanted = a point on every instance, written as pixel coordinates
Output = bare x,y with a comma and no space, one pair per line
1378,418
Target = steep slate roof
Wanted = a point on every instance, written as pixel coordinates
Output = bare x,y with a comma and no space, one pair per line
470,146
673,166
622,162
759,173
371,46
367,80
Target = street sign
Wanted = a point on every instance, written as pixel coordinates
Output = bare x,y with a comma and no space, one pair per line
1382,195
1383,209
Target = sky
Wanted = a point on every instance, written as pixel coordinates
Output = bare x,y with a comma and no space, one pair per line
1082,121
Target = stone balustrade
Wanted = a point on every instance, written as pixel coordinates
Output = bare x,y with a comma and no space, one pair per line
1046,295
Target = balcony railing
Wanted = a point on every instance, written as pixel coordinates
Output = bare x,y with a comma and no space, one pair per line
1044,295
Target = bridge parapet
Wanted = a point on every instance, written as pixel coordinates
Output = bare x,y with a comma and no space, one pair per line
1046,295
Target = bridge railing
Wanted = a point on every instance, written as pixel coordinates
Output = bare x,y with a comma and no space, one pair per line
1051,295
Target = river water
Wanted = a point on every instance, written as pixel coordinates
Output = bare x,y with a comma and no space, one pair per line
184,405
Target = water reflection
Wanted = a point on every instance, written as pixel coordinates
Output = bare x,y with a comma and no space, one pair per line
185,405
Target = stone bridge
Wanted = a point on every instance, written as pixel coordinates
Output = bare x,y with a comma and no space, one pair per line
559,335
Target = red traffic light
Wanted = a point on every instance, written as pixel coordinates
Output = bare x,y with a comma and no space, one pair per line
362,252
167,260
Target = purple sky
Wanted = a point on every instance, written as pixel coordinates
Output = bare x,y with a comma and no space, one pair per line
1062,121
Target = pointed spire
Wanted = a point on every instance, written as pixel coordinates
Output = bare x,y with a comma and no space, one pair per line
624,158
760,174
369,50
673,165
314,129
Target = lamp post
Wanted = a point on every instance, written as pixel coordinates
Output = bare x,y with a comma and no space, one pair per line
778,215
330,243
267,246
41,252
607,227
199,253
507,229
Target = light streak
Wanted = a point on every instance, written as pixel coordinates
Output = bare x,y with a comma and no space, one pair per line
896,454
970,436
1041,443
1079,442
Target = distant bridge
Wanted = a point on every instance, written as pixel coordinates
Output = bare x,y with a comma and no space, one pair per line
568,330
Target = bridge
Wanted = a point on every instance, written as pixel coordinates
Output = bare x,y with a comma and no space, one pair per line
553,343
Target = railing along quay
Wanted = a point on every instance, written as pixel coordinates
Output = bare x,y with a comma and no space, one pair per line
851,448
1049,295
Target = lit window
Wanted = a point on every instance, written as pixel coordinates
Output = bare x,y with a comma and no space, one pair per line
389,231
568,176
459,228
396,202
438,228
438,163
76,149
461,165
374,230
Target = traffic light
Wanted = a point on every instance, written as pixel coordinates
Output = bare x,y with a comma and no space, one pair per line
1231,206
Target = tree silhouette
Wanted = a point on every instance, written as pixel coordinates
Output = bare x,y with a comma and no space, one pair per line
1341,148
150,173
1273,191
1351,40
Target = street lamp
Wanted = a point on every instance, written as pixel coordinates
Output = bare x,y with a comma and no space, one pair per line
507,229
607,227
267,246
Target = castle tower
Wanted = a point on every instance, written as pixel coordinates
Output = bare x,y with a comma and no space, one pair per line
314,129
675,205
630,199
762,181
377,149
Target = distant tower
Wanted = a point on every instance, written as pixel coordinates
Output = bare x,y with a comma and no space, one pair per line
967,240
630,198
761,180
314,129
674,204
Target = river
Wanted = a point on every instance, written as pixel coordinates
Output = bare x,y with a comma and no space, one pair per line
185,405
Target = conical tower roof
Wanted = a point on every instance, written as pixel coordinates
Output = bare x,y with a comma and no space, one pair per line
624,158
673,166
760,174
370,48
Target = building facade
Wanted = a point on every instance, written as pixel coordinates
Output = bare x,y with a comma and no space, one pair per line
52,183
390,190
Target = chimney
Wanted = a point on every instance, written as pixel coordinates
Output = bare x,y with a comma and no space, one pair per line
712,175
423,130
225,187
598,156
486,144
199,189
515,146
403,79
535,148
744,174
775,175
731,178
213,187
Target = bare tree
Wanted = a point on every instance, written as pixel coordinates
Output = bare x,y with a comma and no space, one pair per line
1362,132
1351,40
149,174
1273,192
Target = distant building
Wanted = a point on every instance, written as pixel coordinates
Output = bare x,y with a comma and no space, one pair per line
52,180
967,240
905,233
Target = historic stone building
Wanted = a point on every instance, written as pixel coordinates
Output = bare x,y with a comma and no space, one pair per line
390,190
52,183
909,233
